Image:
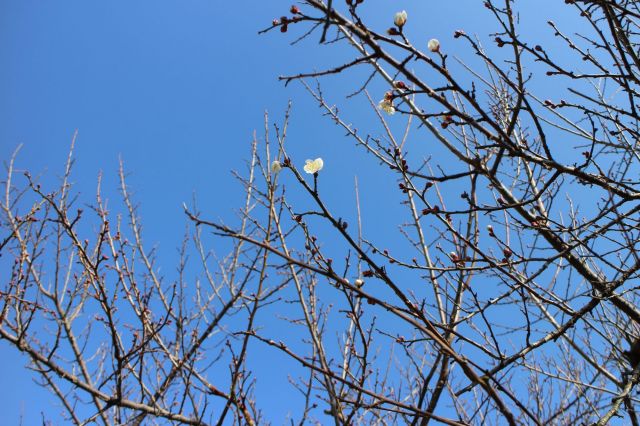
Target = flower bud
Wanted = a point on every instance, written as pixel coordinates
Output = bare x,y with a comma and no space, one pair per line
434,45
399,85
400,18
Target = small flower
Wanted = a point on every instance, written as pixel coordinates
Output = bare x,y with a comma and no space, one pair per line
387,106
276,166
313,166
359,282
434,45
400,18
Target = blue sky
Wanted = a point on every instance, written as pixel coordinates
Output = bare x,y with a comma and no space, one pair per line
176,90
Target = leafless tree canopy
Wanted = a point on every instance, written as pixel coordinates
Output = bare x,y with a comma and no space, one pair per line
513,299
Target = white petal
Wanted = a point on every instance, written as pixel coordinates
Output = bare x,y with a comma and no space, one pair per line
307,166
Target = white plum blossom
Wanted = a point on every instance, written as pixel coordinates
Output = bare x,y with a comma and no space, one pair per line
400,18
359,282
313,166
387,106
276,166
434,45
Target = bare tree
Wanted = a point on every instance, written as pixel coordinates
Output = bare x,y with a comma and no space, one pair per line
513,297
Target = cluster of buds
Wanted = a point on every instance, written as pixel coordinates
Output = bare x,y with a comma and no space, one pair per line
404,166
400,85
403,188
284,21
386,104
507,254
401,163
447,120
434,209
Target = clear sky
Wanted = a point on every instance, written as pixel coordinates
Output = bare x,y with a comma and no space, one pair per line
175,89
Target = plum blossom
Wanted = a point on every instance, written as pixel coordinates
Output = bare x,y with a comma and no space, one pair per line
387,106
313,166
